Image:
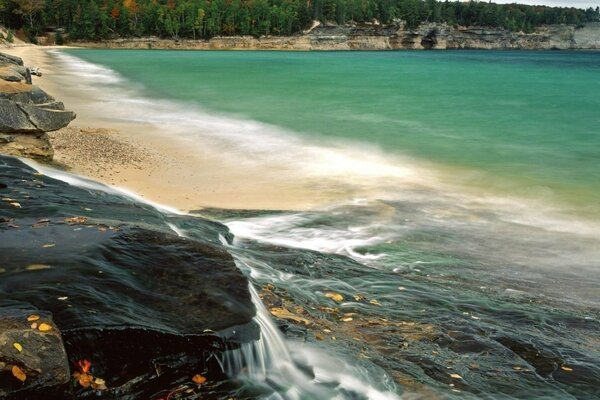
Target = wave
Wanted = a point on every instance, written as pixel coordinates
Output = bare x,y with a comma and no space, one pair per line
352,171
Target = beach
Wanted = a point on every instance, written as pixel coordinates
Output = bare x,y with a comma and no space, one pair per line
135,156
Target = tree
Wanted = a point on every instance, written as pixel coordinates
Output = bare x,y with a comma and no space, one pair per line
29,9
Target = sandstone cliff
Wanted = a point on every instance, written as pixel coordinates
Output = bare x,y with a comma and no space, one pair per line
389,37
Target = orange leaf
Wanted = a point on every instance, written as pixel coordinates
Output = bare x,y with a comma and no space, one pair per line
44,327
198,379
33,317
19,373
84,366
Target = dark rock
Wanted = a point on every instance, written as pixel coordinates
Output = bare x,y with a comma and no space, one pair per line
41,357
25,118
148,308
8,59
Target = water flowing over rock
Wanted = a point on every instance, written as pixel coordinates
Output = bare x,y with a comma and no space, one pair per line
27,112
114,281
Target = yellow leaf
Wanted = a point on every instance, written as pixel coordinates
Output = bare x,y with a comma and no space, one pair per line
37,267
19,373
567,369
44,327
348,319
33,317
375,302
99,384
198,379
18,347
455,376
334,296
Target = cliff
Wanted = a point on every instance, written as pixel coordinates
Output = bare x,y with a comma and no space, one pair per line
386,37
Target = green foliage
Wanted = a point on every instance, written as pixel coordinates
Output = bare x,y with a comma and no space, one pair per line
10,36
103,19
59,38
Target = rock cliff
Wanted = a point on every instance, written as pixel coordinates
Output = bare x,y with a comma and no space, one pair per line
27,112
387,37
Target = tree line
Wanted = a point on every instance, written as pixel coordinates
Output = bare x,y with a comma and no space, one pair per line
195,19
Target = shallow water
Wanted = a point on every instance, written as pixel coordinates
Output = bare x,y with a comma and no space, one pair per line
473,247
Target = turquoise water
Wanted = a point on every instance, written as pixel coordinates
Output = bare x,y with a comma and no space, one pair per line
524,123
465,267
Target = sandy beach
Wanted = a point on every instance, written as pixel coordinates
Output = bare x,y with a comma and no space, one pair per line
137,157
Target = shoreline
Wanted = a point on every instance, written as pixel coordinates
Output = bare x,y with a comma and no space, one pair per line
135,156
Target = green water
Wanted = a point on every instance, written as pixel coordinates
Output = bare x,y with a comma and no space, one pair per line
525,123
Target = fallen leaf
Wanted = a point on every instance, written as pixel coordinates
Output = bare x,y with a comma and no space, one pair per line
334,296
15,204
33,317
455,376
348,319
198,379
76,220
99,384
37,267
44,327
34,325
19,373
567,369
46,246
18,347
84,365
288,315
319,336
62,298
375,302
85,380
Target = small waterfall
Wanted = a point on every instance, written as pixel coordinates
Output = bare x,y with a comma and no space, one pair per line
267,360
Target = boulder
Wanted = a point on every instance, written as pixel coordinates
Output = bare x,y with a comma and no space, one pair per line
30,358
27,112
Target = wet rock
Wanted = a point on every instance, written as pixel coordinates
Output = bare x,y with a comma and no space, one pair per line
146,307
25,349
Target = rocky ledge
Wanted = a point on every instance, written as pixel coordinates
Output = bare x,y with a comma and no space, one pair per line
99,297
27,112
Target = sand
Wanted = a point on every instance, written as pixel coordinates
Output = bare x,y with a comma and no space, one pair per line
142,159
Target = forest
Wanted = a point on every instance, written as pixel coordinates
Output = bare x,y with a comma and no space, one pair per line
201,19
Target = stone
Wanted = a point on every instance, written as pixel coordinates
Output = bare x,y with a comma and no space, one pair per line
40,355
27,112
37,147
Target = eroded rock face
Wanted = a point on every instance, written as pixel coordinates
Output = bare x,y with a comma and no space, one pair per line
27,112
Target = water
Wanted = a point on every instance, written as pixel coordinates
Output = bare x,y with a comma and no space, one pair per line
465,237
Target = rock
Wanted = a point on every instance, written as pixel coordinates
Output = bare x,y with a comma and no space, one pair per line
16,117
37,147
24,93
8,59
27,112
39,355
13,73
145,306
